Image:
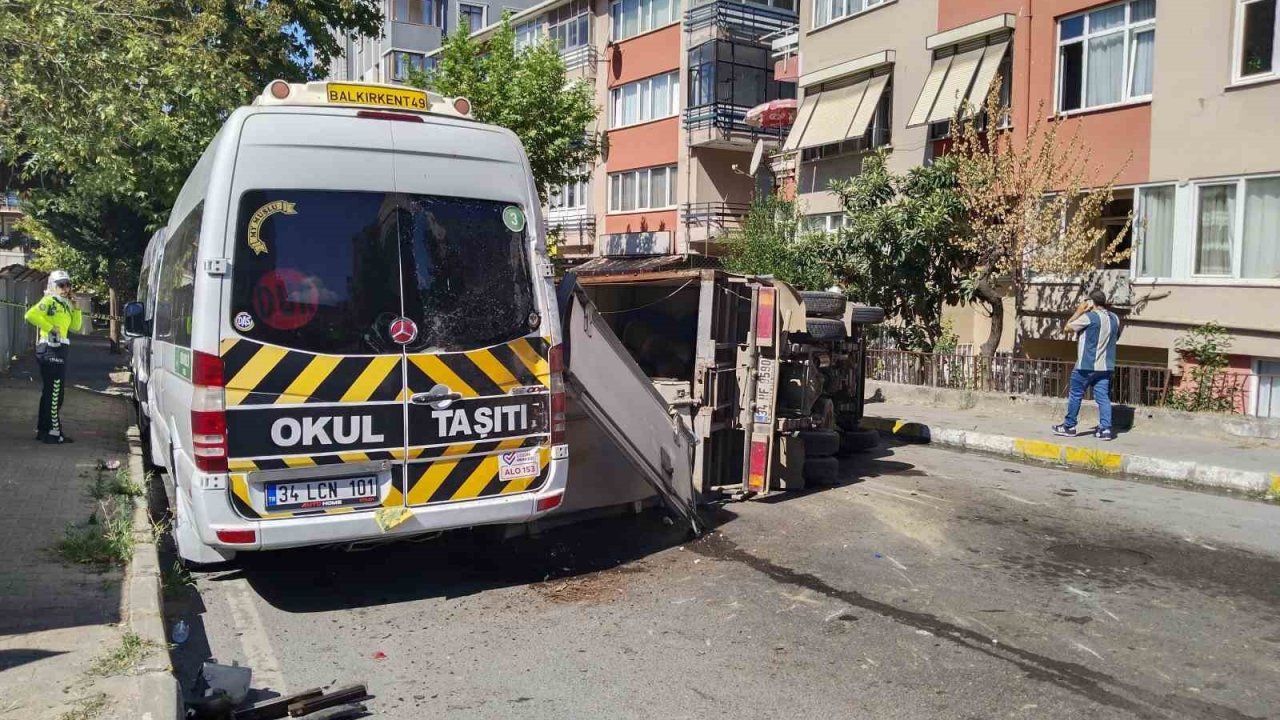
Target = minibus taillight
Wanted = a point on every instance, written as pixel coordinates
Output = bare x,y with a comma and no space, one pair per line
379,115
555,358
208,413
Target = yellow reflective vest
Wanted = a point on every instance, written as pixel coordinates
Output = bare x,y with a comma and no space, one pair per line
53,312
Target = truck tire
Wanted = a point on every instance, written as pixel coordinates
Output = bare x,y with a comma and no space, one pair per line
821,471
867,315
819,303
857,441
820,443
824,328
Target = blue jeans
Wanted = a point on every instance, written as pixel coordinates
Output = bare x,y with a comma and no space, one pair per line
1082,380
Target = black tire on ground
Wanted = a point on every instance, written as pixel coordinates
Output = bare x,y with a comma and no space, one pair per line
818,303
825,329
821,471
820,443
856,441
867,315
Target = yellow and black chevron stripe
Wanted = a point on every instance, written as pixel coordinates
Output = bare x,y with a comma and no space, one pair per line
259,374
467,471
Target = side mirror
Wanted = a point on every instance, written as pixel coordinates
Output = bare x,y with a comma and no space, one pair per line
135,320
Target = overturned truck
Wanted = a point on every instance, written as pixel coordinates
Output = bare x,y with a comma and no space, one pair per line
709,384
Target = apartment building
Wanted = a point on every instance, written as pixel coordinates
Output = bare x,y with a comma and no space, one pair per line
412,29
1178,100
15,247
673,83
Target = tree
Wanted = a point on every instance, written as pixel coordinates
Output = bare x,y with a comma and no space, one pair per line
525,91
899,246
772,242
1029,206
105,105
89,272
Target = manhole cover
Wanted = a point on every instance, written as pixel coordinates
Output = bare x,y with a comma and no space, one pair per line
1099,555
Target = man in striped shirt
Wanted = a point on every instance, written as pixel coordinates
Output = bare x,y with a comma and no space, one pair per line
1097,330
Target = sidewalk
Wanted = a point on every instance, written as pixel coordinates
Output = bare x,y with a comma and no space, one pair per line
57,619
1244,464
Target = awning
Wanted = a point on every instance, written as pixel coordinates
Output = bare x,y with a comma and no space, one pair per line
801,122
957,77
832,116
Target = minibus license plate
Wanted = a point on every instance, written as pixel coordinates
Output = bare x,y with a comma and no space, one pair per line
320,494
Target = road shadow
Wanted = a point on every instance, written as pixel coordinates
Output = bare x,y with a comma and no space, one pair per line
17,657
455,564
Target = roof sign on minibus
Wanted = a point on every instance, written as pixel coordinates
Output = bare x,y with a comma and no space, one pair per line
363,95
399,98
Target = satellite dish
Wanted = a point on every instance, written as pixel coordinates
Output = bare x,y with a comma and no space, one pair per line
756,157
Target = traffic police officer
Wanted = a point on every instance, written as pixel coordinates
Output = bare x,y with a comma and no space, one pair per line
54,317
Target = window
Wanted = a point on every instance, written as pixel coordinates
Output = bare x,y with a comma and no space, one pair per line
1215,226
528,34
734,74
1257,34
569,25
1106,56
345,261
647,189
570,196
1153,226
644,100
409,11
470,17
1260,235
828,223
176,287
828,11
633,17
403,62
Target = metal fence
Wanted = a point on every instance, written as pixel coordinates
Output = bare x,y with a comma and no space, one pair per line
19,289
1130,385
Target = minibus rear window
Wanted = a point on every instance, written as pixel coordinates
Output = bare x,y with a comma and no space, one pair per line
329,271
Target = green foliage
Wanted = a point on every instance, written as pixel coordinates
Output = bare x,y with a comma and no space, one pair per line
108,103
102,542
772,242
89,272
948,341
898,249
526,92
1207,386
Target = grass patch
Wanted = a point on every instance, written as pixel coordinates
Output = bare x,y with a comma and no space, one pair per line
117,485
87,708
106,540
176,580
120,659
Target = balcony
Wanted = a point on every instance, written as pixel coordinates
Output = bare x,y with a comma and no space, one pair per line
581,61
724,20
721,125
576,228
707,224
9,202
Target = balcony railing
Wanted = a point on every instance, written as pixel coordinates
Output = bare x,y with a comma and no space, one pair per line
739,21
710,222
10,203
576,228
583,56
718,123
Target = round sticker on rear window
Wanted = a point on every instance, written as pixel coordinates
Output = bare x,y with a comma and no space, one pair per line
285,299
513,218
244,322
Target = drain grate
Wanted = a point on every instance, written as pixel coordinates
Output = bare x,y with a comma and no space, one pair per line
1099,556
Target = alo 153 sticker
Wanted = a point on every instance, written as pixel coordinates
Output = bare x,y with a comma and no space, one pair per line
517,464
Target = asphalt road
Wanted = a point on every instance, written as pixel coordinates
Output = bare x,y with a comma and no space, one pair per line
931,584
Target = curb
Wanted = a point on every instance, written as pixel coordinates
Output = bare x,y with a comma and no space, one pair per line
1098,461
159,696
